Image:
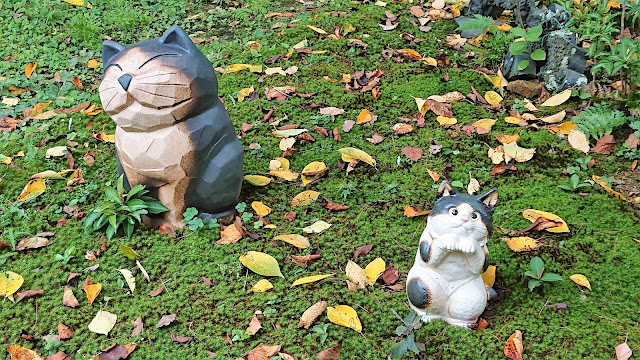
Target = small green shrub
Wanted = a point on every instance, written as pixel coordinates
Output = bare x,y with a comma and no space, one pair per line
410,323
538,275
122,208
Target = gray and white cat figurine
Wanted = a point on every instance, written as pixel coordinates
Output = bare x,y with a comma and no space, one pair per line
173,134
445,281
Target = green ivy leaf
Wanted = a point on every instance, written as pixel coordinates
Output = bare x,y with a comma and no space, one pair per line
518,47
538,55
534,33
523,65
129,252
537,266
550,277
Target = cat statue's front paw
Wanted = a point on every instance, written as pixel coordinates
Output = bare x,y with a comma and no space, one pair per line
451,244
467,246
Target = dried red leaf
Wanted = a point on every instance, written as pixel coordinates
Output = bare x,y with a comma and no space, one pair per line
390,275
158,291
28,294
412,153
304,259
330,205
64,332
362,250
254,326
180,339
332,353
605,145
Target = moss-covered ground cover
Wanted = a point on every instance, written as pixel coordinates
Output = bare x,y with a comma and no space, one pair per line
61,39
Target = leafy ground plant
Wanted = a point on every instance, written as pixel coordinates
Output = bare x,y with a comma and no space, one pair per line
122,208
538,275
410,323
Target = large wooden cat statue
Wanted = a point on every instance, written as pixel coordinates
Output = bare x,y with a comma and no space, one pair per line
445,281
173,134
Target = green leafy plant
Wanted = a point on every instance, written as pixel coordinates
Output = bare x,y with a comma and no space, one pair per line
122,209
240,335
11,236
346,189
191,219
519,47
410,323
574,184
51,346
599,120
622,60
66,256
538,275
322,330
478,22
518,105
4,257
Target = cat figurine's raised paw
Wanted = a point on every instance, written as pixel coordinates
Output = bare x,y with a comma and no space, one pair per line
445,281
173,134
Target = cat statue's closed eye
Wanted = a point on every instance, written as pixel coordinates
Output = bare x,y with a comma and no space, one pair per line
445,281
173,134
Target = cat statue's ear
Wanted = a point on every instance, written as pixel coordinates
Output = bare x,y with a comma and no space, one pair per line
445,189
490,198
109,50
176,36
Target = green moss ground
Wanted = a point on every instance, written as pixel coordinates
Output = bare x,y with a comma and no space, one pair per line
61,38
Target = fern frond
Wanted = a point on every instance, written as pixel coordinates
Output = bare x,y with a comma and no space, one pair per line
598,121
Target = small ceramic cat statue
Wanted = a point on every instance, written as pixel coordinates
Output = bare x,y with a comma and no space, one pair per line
445,281
173,134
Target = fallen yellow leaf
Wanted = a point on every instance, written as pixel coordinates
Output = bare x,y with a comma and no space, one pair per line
318,30
239,67
578,140
492,97
21,353
443,120
364,117
260,208
555,118
532,215
484,124
262,286
512,120
258,180
430,61
523,243
92,291
28,70
305,198
261,263
243,93
581,280
81,3
349,154
374,270
310,279
298,241
92,64
284,174
10,282
33,188
344,315
606,187
489,276
317,227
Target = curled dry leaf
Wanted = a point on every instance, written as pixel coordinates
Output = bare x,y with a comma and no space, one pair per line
20,353
92,290
68,299
129,278
284,174
364,117
413,211
402,128
254,326
558,99
356,274
349,154
262,352
180,339
532,215
258,180
330,205
32,243
28,294
332,353
157,291
362,250
304,259
513,350
412,153
473,186
165,320
312,313
555,118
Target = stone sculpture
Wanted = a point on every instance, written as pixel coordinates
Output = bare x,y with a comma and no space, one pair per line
445,281
173,133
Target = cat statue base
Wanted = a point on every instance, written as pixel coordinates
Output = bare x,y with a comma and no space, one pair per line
445,281
173,134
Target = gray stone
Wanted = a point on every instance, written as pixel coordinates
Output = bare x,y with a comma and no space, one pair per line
555,17
510,67
494,8
562,54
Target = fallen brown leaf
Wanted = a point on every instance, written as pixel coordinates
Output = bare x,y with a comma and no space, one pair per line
28,294
262,352
138,326
362,250
390,275
180,339
312,313
165,320
412,153
254,326
330,205
68,298
332,353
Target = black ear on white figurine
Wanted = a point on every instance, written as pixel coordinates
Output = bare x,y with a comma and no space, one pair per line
445,281
173,134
